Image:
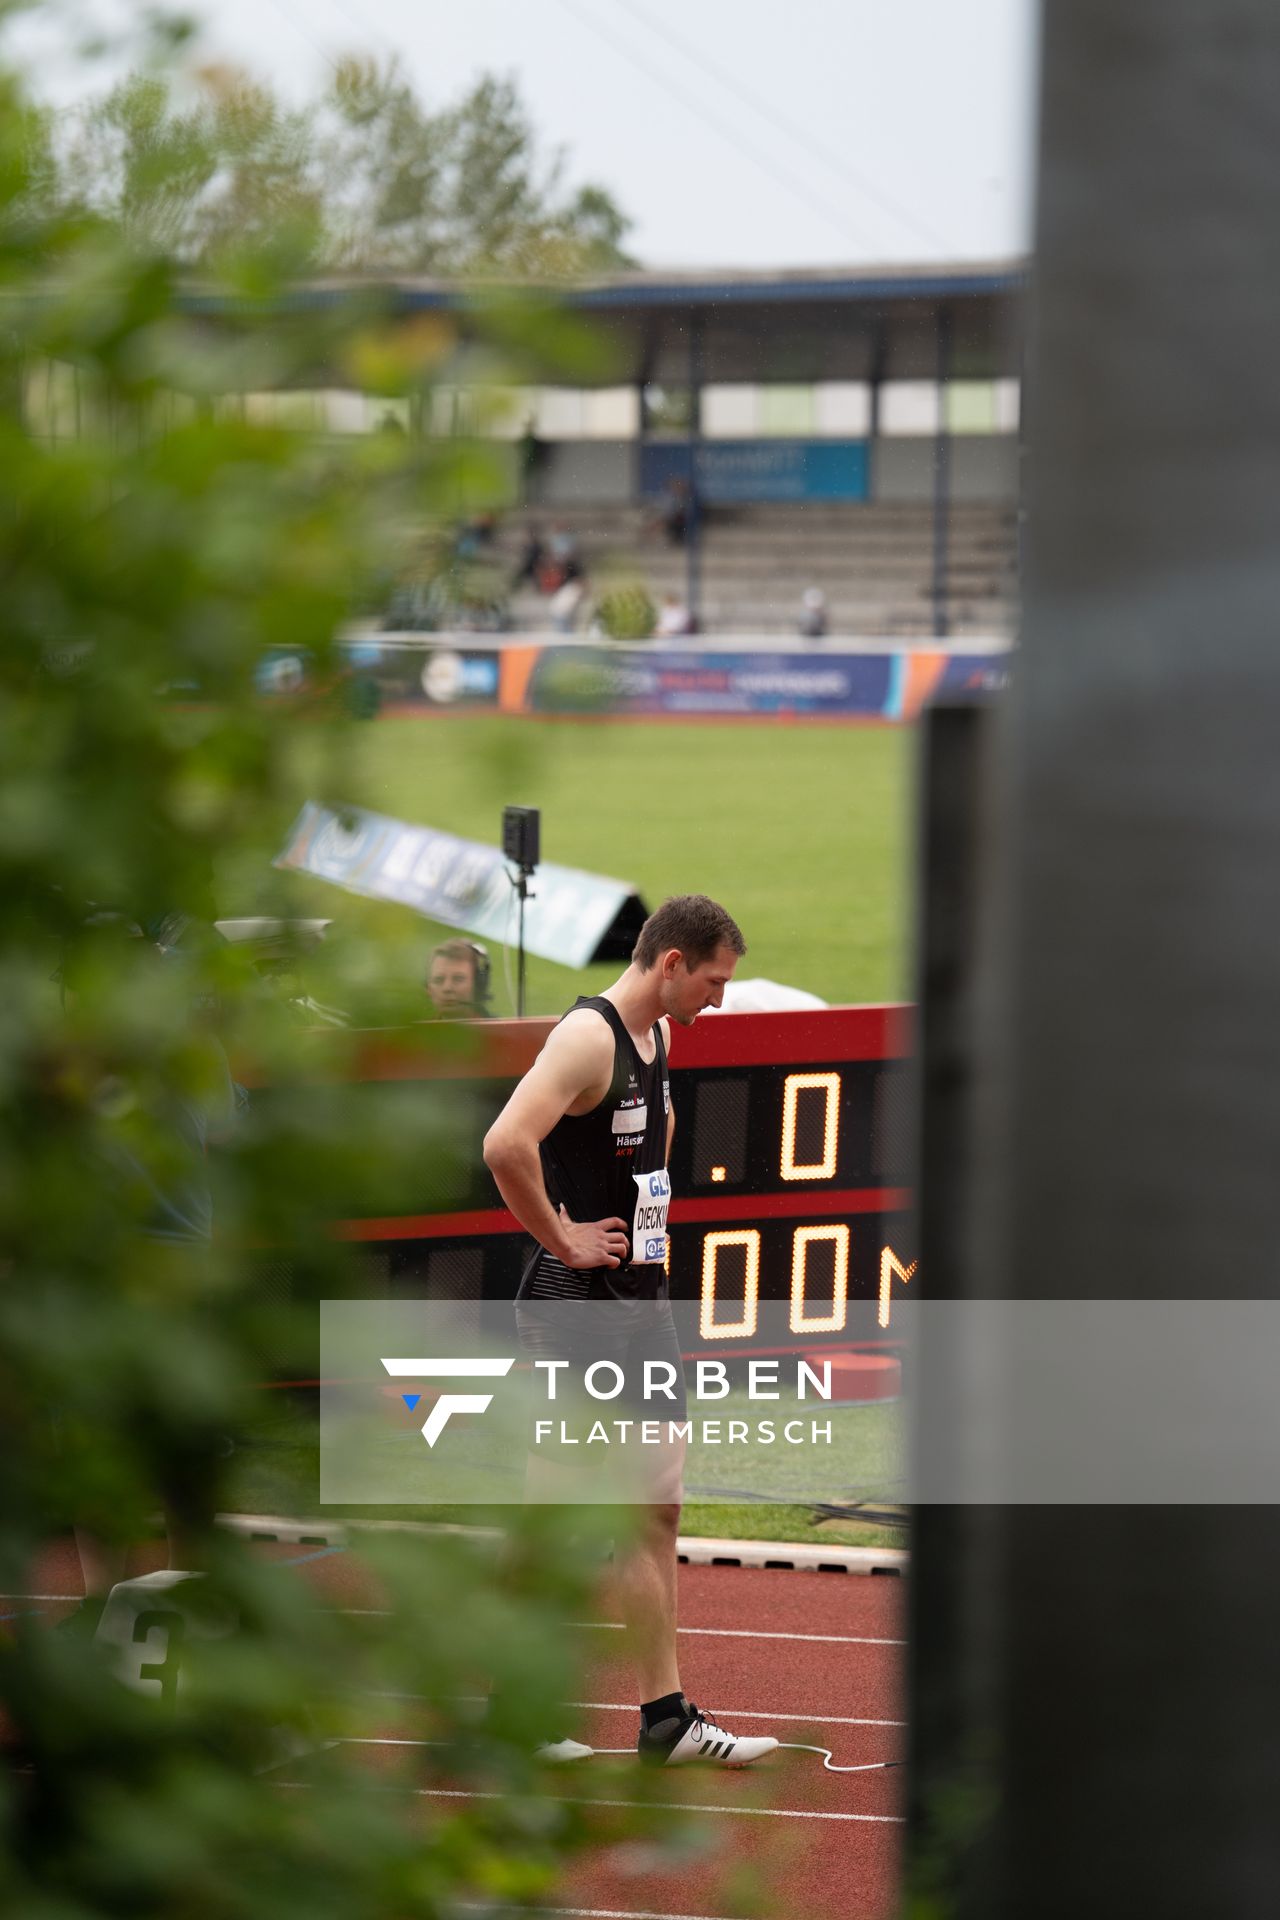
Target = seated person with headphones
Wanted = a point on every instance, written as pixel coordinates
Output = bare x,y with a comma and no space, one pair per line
458,980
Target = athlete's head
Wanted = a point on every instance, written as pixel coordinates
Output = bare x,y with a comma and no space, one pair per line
694,946
455,980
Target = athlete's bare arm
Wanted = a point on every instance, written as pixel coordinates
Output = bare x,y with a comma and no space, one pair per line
671,1105
570,1075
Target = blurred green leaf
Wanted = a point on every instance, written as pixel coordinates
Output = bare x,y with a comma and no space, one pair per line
163,528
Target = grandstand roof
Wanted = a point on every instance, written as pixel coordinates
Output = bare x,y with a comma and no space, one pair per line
826,323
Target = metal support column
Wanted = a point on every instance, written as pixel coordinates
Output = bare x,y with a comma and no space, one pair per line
693,531
942,485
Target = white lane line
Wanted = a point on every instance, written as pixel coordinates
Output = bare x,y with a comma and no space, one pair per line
749,1713
755,1633
625,1706
678,1806
656,1806
612,1753
610,1626
388,1740
567,1800
717,1633
587,1913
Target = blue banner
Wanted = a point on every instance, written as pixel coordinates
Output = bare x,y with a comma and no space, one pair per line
729,471
650,680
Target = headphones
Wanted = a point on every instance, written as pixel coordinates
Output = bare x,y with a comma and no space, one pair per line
482,972
480,969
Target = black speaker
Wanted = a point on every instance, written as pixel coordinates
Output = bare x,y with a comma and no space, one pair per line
521,835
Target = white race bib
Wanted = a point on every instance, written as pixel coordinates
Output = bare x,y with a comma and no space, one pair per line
649,1226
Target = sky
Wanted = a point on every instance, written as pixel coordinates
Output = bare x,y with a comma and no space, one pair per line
747,133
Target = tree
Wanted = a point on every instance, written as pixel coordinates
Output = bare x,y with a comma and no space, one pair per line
363,177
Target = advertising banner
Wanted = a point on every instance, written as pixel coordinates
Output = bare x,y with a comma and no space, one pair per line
656,680
437,673
738,471
926,674
571,916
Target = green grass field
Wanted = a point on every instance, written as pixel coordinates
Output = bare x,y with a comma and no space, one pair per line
276,1470
801,831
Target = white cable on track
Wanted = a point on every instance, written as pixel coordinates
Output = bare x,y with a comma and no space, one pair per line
796,1746
629,1753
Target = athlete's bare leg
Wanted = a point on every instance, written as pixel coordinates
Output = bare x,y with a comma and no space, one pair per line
100,1566
644,1569
645,1577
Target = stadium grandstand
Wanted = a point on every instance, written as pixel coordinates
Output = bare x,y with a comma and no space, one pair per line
852,435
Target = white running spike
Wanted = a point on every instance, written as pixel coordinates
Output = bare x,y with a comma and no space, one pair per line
704,1740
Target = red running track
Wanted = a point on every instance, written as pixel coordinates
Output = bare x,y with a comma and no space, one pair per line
806,1657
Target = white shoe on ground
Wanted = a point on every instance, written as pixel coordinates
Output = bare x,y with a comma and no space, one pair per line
701,1739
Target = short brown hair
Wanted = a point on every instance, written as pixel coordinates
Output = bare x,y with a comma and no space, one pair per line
455,950
693,924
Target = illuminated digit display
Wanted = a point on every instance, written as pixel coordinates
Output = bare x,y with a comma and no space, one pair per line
709,1326
827,1086
891,1266
803,1319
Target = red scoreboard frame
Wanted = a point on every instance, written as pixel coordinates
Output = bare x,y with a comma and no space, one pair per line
791,1165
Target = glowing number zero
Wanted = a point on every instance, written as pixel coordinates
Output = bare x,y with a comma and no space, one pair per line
792,1087
833,1321
748,1238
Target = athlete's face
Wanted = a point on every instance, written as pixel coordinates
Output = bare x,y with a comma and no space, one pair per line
688,991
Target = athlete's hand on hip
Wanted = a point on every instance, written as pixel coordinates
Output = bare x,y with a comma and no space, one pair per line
594,1243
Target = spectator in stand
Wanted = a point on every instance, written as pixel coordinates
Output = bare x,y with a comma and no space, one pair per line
533,456
813,623
674,619
475,535
566,604
677,513
562,562
532,556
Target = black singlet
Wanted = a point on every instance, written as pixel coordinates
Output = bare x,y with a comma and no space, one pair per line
588,1163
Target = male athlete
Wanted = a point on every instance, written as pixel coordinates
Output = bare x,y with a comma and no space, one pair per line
574,1153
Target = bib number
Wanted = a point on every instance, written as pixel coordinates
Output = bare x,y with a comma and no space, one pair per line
649,1226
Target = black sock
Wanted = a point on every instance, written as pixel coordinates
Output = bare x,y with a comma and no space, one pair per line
663,1717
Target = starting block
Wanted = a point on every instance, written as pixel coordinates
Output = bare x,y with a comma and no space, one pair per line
147,1625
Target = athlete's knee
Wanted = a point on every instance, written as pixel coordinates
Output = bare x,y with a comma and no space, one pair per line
662,1522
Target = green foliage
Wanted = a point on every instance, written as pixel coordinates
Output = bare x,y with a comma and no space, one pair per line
627,613
152,543
364,176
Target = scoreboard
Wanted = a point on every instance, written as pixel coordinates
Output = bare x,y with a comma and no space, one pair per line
791,1166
